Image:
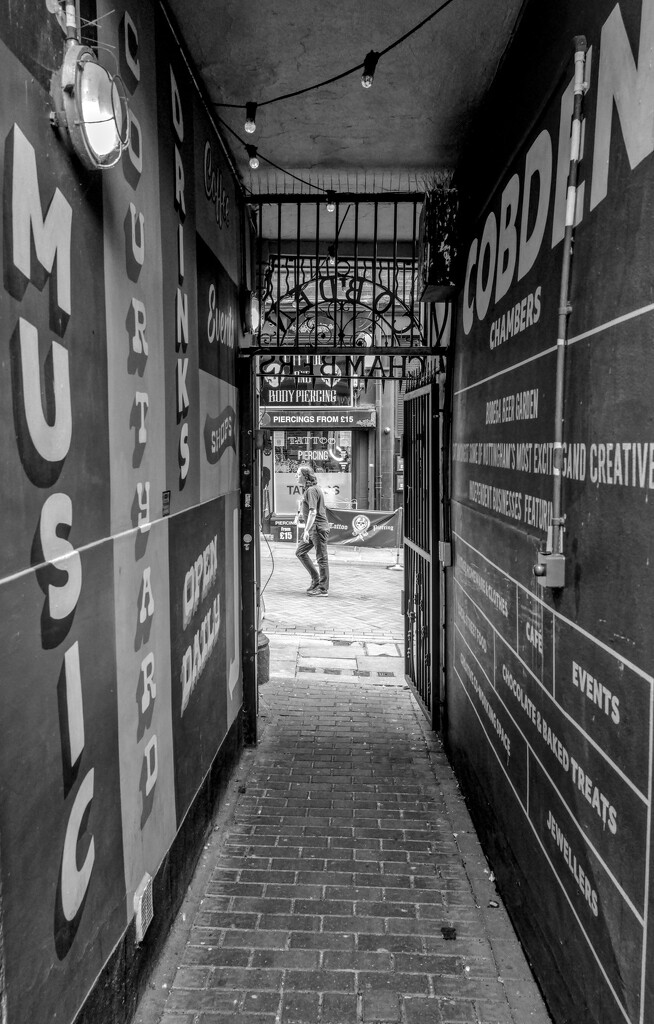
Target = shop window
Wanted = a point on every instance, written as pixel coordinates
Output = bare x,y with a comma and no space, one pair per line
329,453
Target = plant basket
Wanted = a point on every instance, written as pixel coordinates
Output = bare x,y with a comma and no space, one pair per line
438,245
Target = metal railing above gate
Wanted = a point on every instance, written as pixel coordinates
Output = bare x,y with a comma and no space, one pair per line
342,281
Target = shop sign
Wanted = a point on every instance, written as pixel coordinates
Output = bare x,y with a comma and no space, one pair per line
302,380
364,528
278,368
317,418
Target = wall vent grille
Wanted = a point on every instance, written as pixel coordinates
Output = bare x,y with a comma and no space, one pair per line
143,906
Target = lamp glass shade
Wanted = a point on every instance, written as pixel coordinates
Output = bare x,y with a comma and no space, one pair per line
90,104
100,110
255,314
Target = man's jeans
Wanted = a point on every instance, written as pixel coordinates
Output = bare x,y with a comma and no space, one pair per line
317,538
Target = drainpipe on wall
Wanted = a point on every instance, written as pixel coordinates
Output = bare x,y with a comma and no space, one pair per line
3,991
550,568
378,446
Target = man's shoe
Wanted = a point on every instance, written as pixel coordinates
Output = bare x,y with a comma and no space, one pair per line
312,588
318,592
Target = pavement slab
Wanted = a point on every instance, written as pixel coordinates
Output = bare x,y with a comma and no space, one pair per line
364,596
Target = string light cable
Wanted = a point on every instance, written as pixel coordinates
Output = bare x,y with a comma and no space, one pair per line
367,66
253,153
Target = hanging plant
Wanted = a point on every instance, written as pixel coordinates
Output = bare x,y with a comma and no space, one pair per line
438,239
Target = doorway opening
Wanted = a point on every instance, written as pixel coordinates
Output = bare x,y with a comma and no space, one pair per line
340,341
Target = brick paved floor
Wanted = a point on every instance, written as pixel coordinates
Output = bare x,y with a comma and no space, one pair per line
344,884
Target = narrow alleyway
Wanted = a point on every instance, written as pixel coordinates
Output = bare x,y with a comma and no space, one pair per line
343,882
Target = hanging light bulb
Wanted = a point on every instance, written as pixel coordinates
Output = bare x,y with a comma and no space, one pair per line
253,158
331,255
250,118
331,201
369,65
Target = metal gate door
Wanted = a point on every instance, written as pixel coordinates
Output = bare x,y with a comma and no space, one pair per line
421,576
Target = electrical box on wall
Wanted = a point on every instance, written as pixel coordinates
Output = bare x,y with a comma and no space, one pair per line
444,553
550,569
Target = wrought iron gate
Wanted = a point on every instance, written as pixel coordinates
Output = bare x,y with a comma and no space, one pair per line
333,283
337,298
421,534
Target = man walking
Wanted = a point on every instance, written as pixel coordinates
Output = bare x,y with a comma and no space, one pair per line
316,528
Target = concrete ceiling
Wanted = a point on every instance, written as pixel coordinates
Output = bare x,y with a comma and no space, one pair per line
413,121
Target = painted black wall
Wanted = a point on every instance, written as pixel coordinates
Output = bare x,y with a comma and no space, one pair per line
549,696
122,685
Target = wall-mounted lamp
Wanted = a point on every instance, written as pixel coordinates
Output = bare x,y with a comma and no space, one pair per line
250,118
253,158
331,201
255,314
369,65
249,308
90,106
